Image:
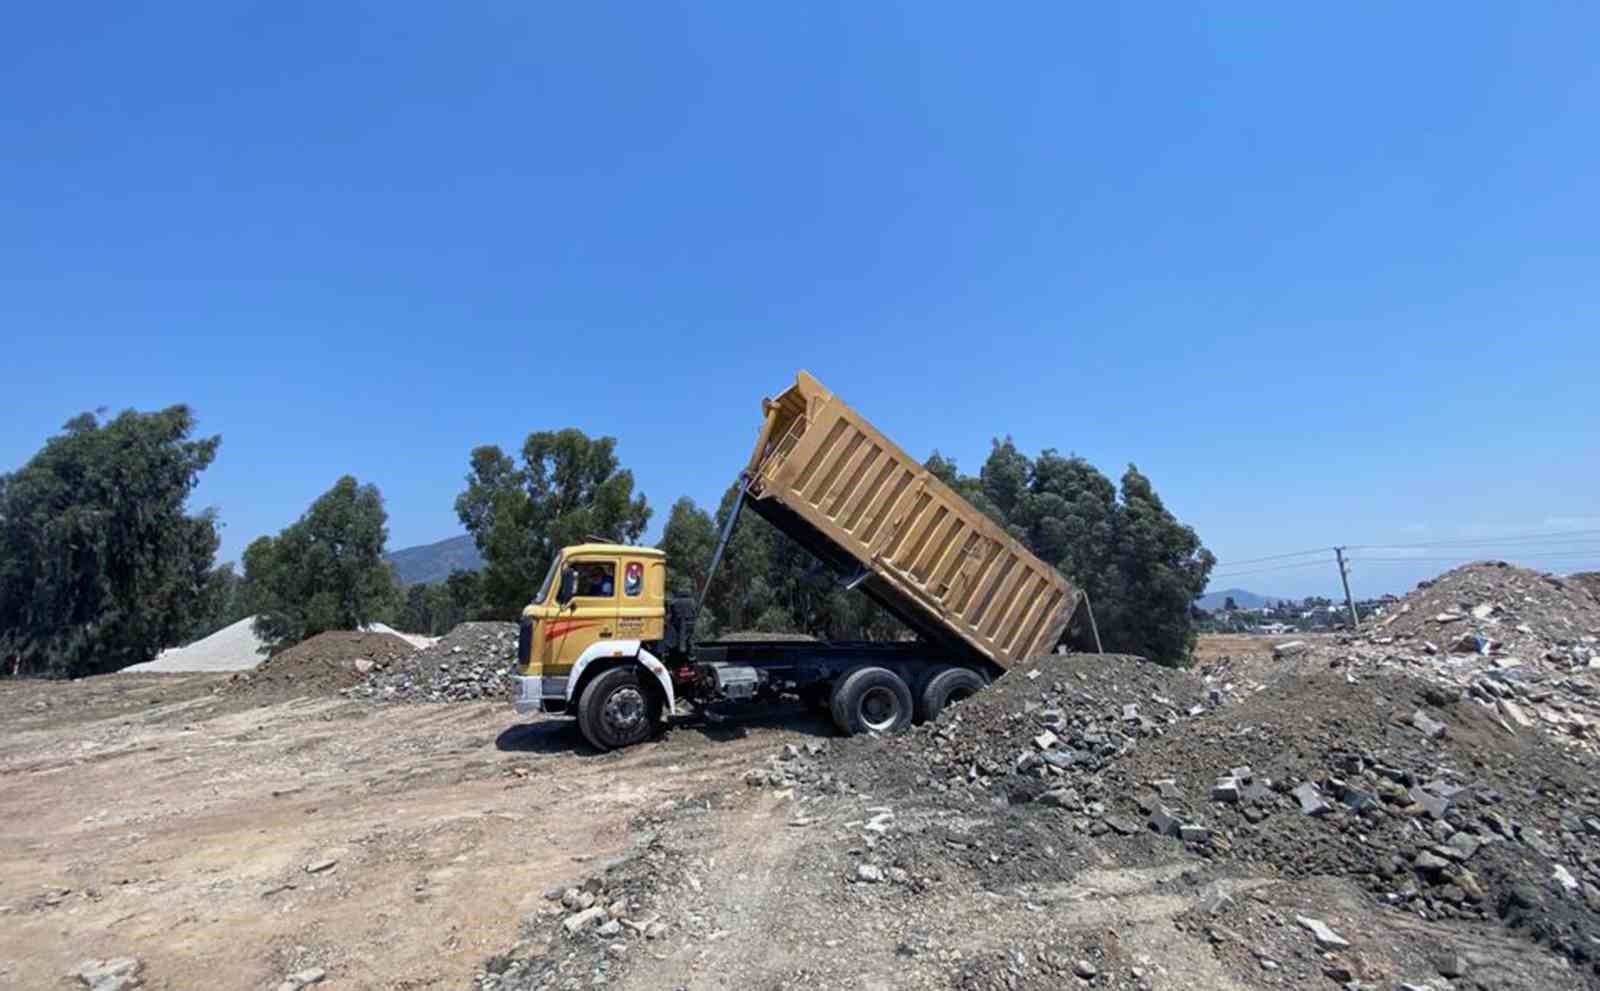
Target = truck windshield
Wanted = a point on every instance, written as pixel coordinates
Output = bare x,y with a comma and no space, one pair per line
544,586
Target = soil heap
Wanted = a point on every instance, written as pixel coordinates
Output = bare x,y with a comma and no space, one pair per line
473,661
321,665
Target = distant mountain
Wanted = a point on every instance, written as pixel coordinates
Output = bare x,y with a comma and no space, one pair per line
1241,598
431,563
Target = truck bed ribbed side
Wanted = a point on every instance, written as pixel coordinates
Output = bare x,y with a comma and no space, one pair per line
830,480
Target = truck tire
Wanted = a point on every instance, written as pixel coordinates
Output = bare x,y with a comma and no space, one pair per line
946,685
617,710
871,699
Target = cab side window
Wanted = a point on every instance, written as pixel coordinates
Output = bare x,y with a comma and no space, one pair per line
596,579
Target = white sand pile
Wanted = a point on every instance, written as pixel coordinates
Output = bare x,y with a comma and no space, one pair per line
416,640
232,648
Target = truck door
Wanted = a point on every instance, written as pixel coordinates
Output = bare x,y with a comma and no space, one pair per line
590,616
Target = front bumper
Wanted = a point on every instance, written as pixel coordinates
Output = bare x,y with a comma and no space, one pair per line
537,694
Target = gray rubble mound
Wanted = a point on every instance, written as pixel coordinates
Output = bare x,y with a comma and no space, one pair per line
1496,611
471,662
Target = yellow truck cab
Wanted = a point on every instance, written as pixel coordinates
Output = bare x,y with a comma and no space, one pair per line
592,623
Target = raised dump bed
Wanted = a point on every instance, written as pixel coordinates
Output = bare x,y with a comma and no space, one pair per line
832,481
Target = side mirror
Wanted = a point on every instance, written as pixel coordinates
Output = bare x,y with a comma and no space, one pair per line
569,586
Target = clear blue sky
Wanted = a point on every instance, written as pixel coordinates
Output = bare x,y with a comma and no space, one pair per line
1327,275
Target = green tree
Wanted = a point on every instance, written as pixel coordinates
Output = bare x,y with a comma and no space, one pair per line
323,572
1141,567
100,564
689,540
222,603
570,488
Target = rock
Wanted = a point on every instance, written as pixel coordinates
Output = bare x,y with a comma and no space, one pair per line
1448,617
870,873
1061,798
318,866
1192,833
554,894
117,974
1430,863
1451,965
1427,726
364,666
1514,713
609,928
1162,821
1225,790
1482,612
1046,740
1292,648
1085,970
1215,900
655,930
1465,843
1121,826
1564,878
580,921
1359,800
1326,938
1434,805
1310,798
307,977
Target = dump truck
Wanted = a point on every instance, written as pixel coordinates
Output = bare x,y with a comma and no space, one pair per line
602,641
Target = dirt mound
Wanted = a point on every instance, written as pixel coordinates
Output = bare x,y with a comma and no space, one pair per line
1492,608
321,665
472,661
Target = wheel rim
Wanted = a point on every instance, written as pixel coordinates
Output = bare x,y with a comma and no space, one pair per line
624,712
879,708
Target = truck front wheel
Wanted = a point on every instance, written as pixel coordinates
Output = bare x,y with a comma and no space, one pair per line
871,699
617,710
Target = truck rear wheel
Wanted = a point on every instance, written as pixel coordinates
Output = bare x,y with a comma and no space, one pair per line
617,710
871,699
946,685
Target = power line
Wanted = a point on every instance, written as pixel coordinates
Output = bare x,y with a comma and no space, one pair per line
1277,557
1526,538
1263,571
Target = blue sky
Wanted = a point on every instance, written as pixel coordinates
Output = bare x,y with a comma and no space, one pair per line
1327,276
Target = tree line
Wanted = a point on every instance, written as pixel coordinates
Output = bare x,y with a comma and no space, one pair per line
102,566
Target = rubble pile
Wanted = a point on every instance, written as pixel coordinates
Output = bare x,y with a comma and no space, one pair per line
1589,581
472,661
321,665
1417,792
587,931
1051,717
1505,615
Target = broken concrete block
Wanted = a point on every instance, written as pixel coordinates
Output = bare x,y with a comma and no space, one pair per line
1292,648
1426,725
1310,798
1326,938
1225,790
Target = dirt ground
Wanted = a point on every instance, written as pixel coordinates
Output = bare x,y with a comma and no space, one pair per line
228,841
149,816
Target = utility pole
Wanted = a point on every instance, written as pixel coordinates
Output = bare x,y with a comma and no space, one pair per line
1344,576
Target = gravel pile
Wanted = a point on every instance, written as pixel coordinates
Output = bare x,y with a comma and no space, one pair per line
472,661
325,664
